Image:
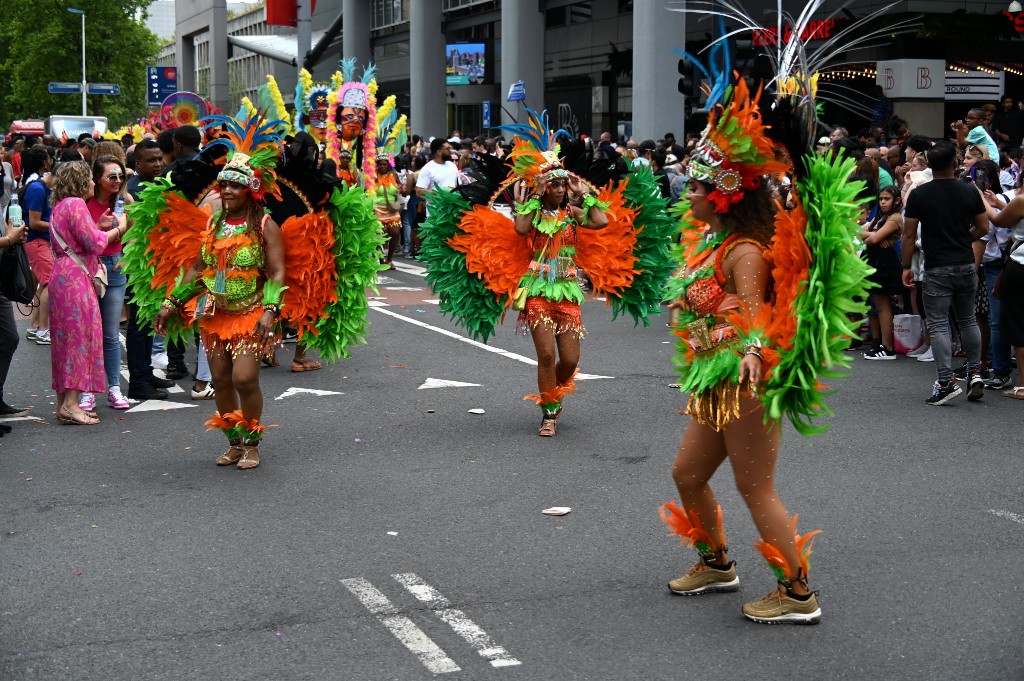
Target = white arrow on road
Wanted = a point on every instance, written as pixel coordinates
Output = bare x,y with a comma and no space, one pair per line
160,405
441,383
295,391
590,377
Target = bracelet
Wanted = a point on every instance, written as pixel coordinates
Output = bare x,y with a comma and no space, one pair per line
171,304
755,353
273,309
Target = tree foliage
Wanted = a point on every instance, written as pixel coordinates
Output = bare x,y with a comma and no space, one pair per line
40,42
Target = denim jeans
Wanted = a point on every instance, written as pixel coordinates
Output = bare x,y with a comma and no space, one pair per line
956,286
202,365
111,305
999,349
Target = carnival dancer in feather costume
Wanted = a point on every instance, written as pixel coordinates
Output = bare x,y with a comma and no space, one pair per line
237,273
764,297
481,262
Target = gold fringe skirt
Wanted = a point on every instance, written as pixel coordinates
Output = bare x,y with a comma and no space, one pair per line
715,407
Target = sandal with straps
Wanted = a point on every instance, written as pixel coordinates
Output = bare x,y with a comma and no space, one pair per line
547,428
1016,392
305,364
250,457
231,456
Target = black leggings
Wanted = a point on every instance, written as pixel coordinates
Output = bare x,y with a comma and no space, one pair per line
8,340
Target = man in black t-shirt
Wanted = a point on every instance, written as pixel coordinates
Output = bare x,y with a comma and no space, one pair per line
951,216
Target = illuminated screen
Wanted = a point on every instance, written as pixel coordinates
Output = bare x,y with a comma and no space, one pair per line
465,63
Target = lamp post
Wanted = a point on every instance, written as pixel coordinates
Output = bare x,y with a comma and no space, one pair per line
82,12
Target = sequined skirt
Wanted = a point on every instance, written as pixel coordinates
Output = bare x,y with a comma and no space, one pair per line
561,316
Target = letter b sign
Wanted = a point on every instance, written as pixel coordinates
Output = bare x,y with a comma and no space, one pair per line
890,80
924,78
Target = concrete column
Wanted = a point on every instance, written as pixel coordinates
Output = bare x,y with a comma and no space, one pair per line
522,54
192,17
355,31
657,104
426,69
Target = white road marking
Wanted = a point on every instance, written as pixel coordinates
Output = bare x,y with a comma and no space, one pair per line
159,405
452,334
403,288
380,307
22,418
457,620
410,269
442,383
1009,515
403,628
376,303
432,301
312,391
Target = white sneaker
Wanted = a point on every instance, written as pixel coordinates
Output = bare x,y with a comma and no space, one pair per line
159,360
87,402
43,337
920,351
206,393
31,333
926,356
115,400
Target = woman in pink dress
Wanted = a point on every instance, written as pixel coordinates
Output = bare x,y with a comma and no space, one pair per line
76,349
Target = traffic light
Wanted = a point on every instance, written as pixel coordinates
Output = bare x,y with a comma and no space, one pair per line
687,82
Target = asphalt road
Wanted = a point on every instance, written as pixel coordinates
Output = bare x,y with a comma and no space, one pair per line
391,534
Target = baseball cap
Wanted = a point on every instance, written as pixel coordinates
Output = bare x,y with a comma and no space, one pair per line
825,141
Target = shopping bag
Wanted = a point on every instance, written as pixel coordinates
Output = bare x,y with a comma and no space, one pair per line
907,332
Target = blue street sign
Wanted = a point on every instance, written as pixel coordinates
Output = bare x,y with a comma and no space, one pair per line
487,115
103,89
517,92
161,83
65,88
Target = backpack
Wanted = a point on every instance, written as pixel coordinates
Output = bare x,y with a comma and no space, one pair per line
21,198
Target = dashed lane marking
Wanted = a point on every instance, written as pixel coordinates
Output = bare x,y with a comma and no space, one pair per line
403,628
1009,515
457,620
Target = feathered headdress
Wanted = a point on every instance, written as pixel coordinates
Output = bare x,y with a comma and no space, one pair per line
391,130
734,153
310,103
272,102
254,147
356,94
794,113
535,154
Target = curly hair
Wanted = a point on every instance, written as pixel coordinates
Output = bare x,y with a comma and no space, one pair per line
73,178
109,148
753,215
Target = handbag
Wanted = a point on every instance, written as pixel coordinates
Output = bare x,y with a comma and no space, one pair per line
99,280
16,276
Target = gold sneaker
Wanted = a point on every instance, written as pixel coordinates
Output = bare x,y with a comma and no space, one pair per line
778,607
704,577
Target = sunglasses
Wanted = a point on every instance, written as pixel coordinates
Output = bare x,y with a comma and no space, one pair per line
115,177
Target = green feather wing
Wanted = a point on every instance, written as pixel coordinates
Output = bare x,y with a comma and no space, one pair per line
655,231
836,287
357,236
463,296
